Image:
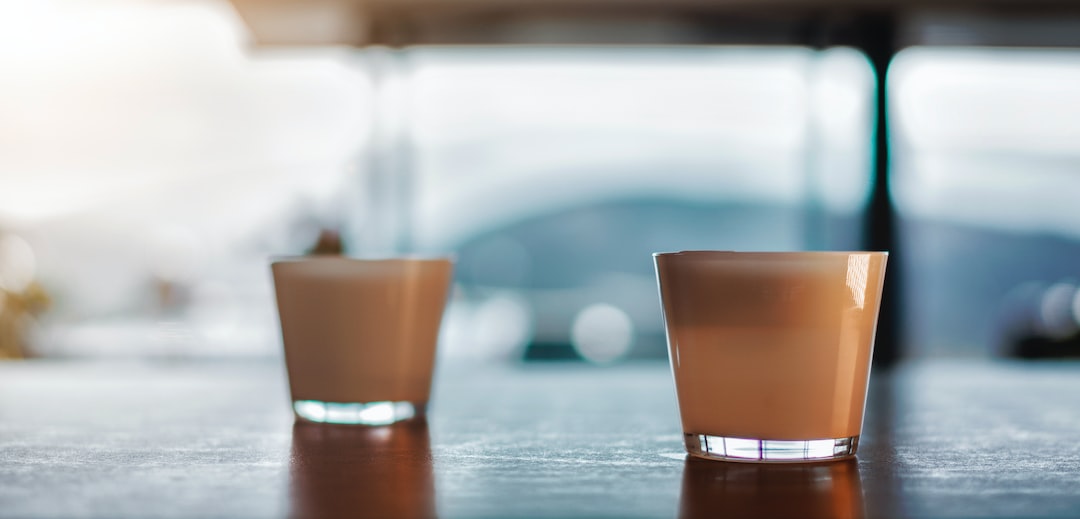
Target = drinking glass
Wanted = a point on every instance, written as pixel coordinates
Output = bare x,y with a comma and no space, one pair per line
360,335
770,351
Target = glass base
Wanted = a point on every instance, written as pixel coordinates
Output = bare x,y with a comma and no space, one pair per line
769,451
356,413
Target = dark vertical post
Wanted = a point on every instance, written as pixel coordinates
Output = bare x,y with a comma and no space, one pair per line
878,40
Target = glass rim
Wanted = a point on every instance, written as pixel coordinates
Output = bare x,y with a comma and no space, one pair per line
403,258
706,252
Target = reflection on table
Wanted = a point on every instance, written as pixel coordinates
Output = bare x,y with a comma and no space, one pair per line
350,471
725,489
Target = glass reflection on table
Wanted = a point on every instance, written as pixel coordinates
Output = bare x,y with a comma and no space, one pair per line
721,489
350,471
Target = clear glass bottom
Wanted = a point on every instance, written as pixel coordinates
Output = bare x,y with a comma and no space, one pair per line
769,451
356,413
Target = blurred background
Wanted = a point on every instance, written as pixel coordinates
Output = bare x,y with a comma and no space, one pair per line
156,154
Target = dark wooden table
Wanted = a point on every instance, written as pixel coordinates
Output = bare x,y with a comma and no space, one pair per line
200,439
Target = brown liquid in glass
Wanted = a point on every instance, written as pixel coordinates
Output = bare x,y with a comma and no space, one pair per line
361,331
771,346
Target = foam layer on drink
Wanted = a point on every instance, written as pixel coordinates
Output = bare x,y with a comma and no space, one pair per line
771,345
361,330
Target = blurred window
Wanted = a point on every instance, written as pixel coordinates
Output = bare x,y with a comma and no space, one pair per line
555,173
153,165
987,179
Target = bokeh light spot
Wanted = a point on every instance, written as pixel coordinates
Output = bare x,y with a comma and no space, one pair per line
602,333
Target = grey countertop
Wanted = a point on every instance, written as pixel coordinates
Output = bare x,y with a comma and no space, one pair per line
205,439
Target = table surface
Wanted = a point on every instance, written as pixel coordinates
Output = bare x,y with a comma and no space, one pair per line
202,439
